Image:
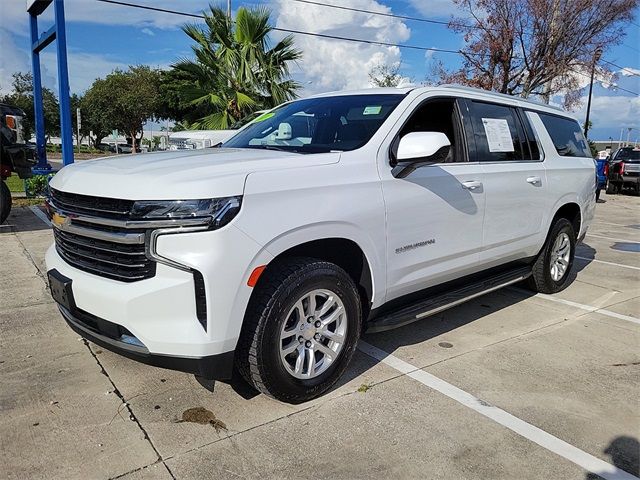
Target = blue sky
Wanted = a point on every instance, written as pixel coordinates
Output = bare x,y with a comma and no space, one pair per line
102,37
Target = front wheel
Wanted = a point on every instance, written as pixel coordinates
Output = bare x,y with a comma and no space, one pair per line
300,330
551,270
612,188
5,201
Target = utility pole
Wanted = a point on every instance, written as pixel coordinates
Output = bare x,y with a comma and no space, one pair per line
596,57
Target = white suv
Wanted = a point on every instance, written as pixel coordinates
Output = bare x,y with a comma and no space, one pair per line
323,218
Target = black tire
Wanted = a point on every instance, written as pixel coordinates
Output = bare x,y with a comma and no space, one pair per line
541,279
280,287
612,188
5,201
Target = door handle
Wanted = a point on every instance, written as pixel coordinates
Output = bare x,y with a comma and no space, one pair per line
471,185
534,180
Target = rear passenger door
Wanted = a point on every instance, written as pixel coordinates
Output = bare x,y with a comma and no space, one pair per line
514,182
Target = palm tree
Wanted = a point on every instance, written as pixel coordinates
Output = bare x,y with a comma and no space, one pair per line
234,71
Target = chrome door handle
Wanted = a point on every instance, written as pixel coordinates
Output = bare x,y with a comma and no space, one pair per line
471,185
534,180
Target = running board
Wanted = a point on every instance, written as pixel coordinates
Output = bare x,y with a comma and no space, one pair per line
432,305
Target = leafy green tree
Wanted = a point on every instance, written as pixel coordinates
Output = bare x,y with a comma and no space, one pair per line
235,71
21,96
124,100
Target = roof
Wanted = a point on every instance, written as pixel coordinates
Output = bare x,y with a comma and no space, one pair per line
450,88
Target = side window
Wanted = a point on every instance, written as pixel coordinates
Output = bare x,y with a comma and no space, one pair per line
534,150
498,133
438,115
566,135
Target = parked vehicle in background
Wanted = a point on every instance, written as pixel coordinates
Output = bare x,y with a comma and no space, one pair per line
602,174
323,218
199,139
624,170
16,156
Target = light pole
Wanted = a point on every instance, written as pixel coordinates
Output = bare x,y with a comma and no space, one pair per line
596,57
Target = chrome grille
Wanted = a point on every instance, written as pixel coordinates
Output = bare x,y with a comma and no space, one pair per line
93,235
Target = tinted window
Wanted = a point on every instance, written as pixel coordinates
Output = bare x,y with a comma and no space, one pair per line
534,151
319,124
627,153
498,133
566,135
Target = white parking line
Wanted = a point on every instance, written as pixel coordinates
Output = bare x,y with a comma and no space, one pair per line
522,428
608,263
40,214
625,240
587,308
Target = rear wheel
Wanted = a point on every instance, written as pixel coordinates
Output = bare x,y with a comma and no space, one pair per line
612,188
5,201
300,330
551,270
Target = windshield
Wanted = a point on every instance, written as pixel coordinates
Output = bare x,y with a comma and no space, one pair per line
627,154
244,120
317,125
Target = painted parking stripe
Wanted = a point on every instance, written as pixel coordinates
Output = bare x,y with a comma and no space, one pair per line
607,263
587,308
581,458
624,240
40,214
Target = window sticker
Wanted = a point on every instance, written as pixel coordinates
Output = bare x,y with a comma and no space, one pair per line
264,116
498,135
372,110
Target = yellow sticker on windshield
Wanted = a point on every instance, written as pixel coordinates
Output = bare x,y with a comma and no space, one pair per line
372,110
264,116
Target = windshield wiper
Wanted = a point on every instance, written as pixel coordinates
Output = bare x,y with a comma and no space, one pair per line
279,149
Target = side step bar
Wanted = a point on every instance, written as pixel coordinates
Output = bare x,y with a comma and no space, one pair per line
432,305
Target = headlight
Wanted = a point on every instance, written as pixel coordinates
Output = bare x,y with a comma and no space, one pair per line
215,212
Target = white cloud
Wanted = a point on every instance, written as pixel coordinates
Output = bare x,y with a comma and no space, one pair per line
148,31
628,72
611,112
338,65
13,14
12,59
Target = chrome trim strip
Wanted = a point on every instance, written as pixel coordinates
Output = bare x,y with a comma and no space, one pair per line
111,222
439,309
116,237
152,253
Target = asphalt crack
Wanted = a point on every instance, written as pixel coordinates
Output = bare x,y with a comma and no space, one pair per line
132,415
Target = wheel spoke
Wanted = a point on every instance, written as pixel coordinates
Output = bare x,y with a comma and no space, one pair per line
300,360
332,317
334,337
328,353
290,349
288,333
329,302
311,306
311,356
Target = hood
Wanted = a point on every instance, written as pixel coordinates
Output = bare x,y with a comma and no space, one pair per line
192,174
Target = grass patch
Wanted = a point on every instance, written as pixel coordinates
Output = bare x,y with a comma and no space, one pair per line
27,202
364,388
15,184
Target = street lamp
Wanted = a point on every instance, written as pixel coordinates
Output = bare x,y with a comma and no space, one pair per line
596,57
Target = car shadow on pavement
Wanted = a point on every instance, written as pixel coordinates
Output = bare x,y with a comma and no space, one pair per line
585,251
23,219
625,454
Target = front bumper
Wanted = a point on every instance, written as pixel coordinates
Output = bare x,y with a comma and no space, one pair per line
97,330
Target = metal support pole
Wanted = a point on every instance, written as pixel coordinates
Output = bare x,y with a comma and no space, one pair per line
596,57
66,127
41,150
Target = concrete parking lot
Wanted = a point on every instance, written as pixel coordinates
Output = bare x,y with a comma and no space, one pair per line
508,386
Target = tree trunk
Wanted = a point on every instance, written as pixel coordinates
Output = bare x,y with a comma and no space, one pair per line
133,142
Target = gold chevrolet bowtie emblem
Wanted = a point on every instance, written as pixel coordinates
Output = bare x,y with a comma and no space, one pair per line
59,220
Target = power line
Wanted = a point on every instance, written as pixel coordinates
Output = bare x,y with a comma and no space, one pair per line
629,71
322,35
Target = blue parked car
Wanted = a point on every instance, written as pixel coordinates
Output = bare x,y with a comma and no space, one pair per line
602,174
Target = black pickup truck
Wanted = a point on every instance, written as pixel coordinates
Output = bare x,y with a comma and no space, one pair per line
16,156
624,171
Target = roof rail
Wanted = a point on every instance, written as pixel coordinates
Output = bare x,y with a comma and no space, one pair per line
535,102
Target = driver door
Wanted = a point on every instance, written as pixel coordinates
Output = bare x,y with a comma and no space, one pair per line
435,213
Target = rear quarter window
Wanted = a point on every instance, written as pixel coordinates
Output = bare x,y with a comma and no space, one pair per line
566,135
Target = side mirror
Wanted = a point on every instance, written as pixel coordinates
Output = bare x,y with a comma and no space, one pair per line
419,148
